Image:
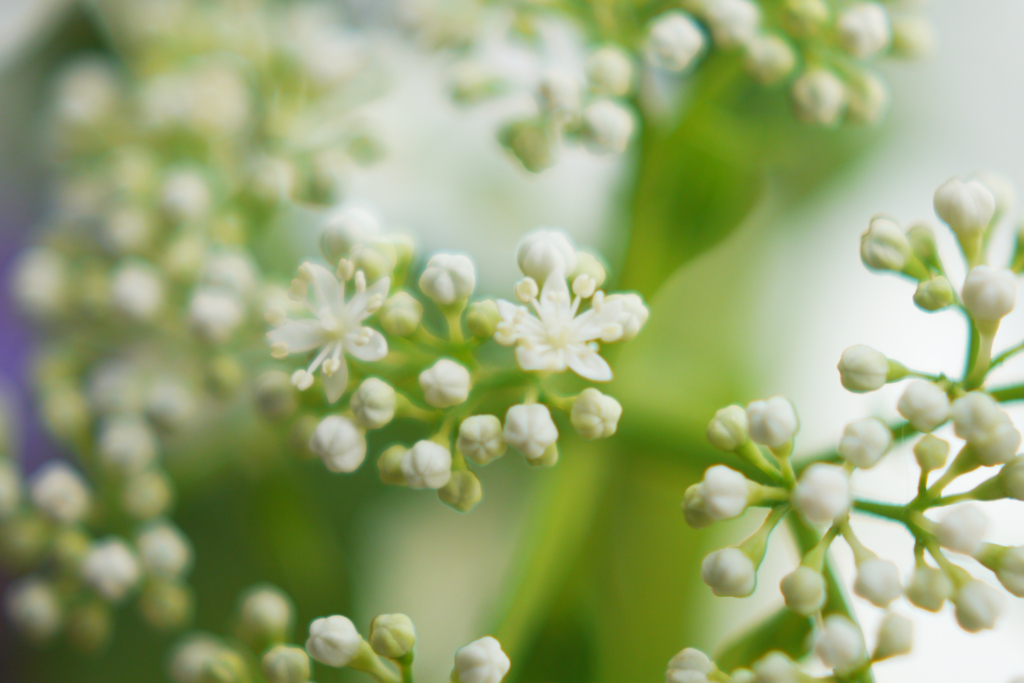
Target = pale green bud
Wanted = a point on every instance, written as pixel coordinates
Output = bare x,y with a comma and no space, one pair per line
695,508
804,590
729,428
401,314
595,415
928,588
147,495
167,604
392,635
589,265
265,616
389,464
804,17
404,247
70,547
462,492
922,243
482,319
286,664
1012,476
90,626
884,246
931,452
376,259
23,540
895,637
934,294
226,667
913,36
373,403
530,142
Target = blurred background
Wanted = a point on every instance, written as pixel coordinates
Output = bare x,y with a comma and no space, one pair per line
766,311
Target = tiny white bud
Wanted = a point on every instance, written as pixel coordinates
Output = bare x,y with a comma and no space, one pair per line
265,615
190,657
445,384
137,291
725,492
392,635
978,606
344,228
772,422
427,465
373,403
776,667
819,97
868,99
147,495
931,452
286,664
333,641
608,127
595,415
862,368
482,661
526,290
170,404
694,508
59,492
689,666
674,41
400,315
864,442
770,58
610,72
966,207
481,439
728,430
530,429
928,588
165,550
634,314
841,644
934,294
804,590
186,196
895,637
448,278
878,581
884,246
925,405
963,530
127,444
33,607
559,93
339,443
729,572
40,282
978,420
863,29
733,22
823,493
584,286
989,294
215,314
111,568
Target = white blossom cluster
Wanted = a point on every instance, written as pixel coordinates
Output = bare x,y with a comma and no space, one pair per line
816,492
437,378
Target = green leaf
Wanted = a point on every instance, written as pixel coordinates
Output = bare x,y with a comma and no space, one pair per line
785,631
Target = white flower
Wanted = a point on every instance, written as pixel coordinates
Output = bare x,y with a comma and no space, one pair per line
773,422
819,96
10,488
989,294
733,22
925,405
215,314
769,58
864,442
427,465
608,126
333,641
966,207
725,492
544,251
373,403
111,568
862,368
963,530
610,72
337,329
59,491
445,384
804,590
186,196
729,429
729,572
689,666
863,29
595,415
1010,570
40,282
928,588
674,41
878,581
895,637
841,644
33,607
165,550
884,246
137,290
448,278
823,493
556,338
339,443
482,661
978,606
127,444
481,439
988,430
776,667
633,316
530,429
559,92
392,635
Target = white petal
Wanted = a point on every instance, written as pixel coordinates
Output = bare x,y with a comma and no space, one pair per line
300,335
375,349
326,289
356,308
507,310
588,364
334,385
555,299
540,358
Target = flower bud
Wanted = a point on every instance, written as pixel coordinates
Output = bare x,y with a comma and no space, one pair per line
804,590
868,98
373,403
732,22
634,314
729,428
265,616
33,608
226,666
913,36
191,656
137,291
345,228
689,666
610,72
841,644
59,492
165,550
729,572
770,59
589,265
392,635
170,404
401,314
1012,476
934,294
286,664
864,442
389,465
775,667
111,569
462,492
274,395
878,581
989,294
608,126
1009,569
725,492
822,494
884,246
147,495
863,29
530,429
931,453
532,143
819,97
963,530
214,315
978,606
338,442
895,637
559,93
695,509
427,465
928,588
448,278
166,604
482,319
126,444
482,661
987,429
924,405
376,259
922,243
966,207
674,40
862,369
90,626
772,422
445,384
481,439
40,283
595,415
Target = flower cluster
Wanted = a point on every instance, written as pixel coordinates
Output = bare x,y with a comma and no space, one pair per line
265,624
816,492
471,408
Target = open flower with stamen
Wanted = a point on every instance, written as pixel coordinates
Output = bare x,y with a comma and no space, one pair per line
556,337
335,330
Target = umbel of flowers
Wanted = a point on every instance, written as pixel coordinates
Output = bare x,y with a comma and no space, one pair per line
816,491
